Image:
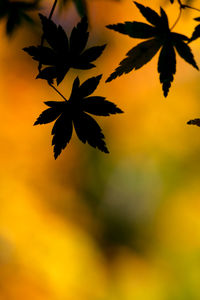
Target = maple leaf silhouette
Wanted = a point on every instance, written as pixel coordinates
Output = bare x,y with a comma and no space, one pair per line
194,122
63,54
74,113
196,33
16,12
159,37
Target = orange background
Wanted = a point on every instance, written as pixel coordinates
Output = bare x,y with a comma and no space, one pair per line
92,226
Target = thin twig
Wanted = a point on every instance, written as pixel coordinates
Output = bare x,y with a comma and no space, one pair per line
179,15
57,91
52,10
190,7
181,7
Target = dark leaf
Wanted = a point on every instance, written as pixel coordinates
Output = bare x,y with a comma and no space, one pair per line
167,67
61,72
164,20
79,37
185,52
63,55
67,113
75,89
89,86
57,105
44,54
196,33
62,133
92,53
134,29
137,57
99,106
54,35
48,74
175,36
194,122
89,131
49,115
162,38
150,15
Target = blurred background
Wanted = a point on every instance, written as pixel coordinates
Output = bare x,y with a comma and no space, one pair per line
92,226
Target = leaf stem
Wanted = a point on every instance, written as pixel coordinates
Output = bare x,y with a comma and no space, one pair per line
190,7
42,38
53,8
57,91
181,7
179,15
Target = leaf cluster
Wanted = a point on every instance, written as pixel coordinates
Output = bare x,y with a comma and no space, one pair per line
196,33
56,59
63,53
